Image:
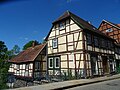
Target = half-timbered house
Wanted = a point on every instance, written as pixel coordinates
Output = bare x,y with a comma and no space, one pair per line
112,30
77,48
30,64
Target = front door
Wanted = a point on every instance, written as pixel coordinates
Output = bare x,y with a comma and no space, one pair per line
112,64
105,64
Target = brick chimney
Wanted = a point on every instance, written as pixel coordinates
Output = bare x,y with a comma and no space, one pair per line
33,44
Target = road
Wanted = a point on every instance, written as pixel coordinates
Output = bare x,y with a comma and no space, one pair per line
107,85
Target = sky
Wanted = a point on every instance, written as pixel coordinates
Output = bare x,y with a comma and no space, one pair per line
25,20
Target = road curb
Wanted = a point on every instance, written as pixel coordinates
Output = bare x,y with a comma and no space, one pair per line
86,83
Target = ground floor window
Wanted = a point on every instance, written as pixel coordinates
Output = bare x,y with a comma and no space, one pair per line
26,73
54,65
54,62
50,60
57,62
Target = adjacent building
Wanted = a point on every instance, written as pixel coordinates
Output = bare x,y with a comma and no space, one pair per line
112,30
30,64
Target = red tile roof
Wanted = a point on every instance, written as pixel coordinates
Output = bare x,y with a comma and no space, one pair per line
118,25
28,55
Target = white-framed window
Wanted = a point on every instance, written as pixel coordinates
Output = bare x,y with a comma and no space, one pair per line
50,62
62,25
55,43
18,67
57,62
26,73
26,66
109,30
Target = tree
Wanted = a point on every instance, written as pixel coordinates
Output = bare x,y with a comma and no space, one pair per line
16,50
10,54
13,52
30,44
4,66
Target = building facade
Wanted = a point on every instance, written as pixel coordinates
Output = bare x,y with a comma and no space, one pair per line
112,30
77,48
29,64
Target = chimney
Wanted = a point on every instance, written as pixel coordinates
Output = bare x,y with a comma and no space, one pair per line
33,44
89,22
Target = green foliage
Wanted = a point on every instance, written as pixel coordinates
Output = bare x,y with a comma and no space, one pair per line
16,50
70,76
29,44
13,52
118,69
4,66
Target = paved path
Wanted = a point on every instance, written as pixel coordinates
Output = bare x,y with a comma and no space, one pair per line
69,84
106,85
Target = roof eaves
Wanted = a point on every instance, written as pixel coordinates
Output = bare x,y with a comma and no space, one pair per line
49,33
111,24
77,23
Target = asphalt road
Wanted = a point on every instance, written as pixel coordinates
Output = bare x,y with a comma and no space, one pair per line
106,85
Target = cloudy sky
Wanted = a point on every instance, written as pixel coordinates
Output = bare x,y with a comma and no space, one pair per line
25,20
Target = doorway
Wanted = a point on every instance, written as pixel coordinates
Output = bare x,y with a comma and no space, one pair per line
105,64
94,64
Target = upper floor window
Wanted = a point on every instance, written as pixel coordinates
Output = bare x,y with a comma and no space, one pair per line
109,30
89,39
117,50
55,43
96,41
103,43
62,25
37,65
18,67
110,45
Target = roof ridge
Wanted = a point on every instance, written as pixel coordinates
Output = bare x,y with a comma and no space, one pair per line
64,15
82,20
28,55
40,50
